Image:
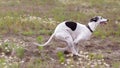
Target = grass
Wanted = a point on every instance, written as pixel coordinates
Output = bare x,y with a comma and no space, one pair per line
95,56
61,57
7,57
40,39
8,48
20,52
40,17
27,33
17,23
116,64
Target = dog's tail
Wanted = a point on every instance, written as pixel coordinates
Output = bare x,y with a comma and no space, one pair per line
46,42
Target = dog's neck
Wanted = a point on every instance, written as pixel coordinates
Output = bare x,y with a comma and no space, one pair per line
93,25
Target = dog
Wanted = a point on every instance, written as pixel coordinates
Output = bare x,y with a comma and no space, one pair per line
73,33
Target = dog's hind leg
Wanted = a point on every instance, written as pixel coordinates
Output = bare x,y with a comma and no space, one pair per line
68,39
62,36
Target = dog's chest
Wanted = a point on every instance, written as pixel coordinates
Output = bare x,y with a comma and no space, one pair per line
81,32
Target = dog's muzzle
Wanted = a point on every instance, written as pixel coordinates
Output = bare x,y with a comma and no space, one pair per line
104,22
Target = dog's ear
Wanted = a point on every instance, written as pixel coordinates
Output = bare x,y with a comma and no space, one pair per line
95,19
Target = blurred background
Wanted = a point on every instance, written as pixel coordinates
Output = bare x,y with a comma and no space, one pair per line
57,10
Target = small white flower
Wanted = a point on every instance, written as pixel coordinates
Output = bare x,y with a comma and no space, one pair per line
0,43
10,64
80,59
5,66
10,57
81,52
65,64
6,48
92,66
77,63
71,55
107,65
100,62
85,53
86,56
22,61
62,63
4,63
68,60
72,65
6,40
21,42
52,59
102,59
116,22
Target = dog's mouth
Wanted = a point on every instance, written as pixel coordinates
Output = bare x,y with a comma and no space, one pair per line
103,22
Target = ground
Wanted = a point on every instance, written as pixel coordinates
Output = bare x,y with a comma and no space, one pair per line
33,55
23,22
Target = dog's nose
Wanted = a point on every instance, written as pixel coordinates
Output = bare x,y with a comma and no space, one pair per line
107,19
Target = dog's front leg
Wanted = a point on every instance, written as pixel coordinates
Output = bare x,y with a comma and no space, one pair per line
71,46
77,41
76,47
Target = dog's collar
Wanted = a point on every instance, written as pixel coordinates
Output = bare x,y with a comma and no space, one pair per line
89,28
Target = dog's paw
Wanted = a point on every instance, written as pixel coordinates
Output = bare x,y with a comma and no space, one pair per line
78,55
66,52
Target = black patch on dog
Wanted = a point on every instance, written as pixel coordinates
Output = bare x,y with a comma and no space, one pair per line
71,25
95,19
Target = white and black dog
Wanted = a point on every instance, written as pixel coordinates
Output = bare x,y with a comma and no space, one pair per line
73,33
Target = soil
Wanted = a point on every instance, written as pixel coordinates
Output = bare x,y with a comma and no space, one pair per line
110,49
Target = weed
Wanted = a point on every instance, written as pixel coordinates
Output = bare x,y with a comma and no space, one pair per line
59,14
2,62
95,56
14,65
37,63
40,47
103,36
116,65
20,52
91,56
8,47
61,57
27,33
40,39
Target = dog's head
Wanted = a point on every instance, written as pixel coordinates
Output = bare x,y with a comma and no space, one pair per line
99,19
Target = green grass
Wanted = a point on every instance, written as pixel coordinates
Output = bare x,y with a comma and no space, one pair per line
10,21
8,48
40,39
20,52
95,56
116,65
61,57
28,33
80,11
40,17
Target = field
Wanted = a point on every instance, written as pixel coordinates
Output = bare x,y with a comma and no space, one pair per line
23,22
